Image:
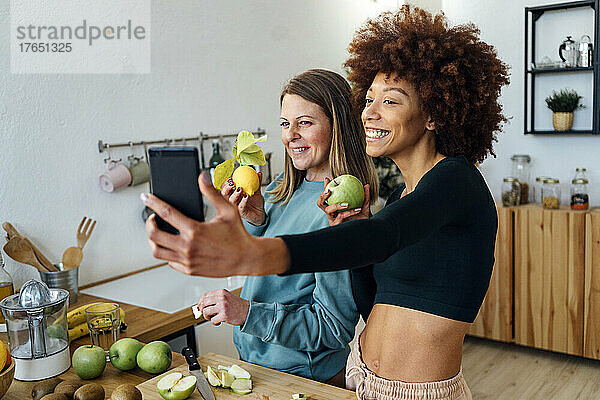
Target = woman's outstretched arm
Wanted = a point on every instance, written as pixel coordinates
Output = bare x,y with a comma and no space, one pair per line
218,248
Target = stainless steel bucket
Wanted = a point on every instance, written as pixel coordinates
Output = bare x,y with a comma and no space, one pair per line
68,280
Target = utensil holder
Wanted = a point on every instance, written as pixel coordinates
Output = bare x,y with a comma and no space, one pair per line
68,280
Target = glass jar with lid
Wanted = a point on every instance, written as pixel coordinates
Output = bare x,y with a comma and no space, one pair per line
511,192
537,189
521,171
579,194
551,194
580,173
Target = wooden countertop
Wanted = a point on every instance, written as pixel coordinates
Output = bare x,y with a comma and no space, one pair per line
143,324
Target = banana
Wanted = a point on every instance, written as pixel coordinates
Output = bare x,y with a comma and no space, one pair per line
78,331
76,317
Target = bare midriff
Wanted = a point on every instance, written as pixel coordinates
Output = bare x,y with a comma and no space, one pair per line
412,346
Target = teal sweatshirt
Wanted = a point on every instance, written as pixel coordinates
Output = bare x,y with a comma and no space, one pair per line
300,324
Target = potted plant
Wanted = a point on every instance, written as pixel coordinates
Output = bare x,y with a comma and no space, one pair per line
562,104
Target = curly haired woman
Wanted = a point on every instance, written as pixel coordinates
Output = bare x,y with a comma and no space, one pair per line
430,95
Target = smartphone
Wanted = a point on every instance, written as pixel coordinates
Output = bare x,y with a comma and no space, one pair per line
174,179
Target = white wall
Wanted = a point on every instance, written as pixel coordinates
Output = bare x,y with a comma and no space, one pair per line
502,25
217,66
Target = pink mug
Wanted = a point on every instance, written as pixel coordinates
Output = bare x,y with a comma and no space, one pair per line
116,176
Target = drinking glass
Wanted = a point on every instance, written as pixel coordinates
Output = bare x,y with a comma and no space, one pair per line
103,320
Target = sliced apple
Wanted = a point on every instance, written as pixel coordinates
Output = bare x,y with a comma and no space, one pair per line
176,387
241,386
226,379
239,372
212,377
223,368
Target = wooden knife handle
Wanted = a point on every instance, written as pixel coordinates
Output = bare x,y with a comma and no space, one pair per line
12,232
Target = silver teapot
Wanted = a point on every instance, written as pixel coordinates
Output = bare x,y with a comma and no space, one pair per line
568,52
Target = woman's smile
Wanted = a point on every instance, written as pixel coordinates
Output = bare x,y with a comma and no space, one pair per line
374,134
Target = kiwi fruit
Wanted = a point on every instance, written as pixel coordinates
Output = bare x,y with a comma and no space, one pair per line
126,392
91,391
54,396
44,387
68,388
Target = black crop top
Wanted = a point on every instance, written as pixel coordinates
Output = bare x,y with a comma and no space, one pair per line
432,250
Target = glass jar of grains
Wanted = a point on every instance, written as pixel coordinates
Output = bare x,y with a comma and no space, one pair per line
521,171
579,194
537,189
511,192
551,193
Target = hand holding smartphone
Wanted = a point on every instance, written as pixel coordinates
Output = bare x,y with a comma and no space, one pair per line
174,175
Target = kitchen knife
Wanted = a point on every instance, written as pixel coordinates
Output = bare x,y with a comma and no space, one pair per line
201,382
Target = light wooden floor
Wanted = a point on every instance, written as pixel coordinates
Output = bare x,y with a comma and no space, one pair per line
502,371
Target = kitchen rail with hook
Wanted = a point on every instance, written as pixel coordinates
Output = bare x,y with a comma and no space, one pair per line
201,138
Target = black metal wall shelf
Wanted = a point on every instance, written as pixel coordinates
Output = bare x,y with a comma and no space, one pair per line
530,74
572,132
559,70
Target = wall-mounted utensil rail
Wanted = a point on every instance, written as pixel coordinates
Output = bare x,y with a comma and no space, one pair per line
201,138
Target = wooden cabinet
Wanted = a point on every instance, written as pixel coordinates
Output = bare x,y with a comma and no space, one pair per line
549,251
495,318
592,285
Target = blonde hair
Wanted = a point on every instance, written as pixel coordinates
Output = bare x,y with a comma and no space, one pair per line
347,154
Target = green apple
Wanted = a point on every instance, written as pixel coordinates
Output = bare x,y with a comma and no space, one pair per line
176,387
155,357
346,189
239,372
241,386
57,331
123,353
89,361
212,377
226,379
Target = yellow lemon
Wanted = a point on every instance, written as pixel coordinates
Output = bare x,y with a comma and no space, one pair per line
246,177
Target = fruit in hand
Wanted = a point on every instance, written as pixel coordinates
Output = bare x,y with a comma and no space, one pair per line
155,357
123,353
246,177
175,386
89,361
126,392
346,189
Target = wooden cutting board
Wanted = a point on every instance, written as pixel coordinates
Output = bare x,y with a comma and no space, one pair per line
269,384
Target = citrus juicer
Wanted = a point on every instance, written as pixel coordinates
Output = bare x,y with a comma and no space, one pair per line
36,322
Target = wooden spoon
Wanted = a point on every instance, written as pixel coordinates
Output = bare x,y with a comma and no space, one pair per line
12,232
19,250
72,258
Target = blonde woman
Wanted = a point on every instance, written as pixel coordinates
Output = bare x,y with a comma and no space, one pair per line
299,324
